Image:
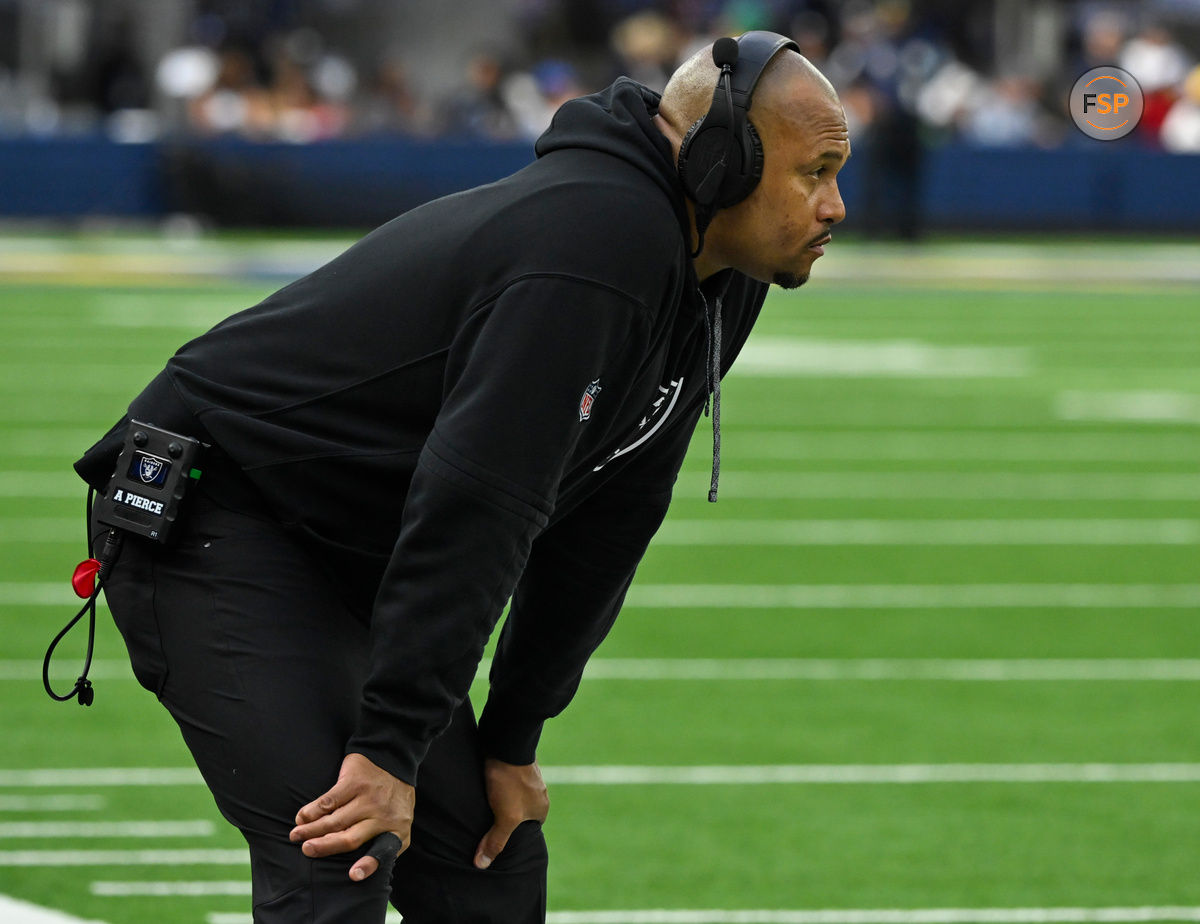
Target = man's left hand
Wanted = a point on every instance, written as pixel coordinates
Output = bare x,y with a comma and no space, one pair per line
365,802
516,794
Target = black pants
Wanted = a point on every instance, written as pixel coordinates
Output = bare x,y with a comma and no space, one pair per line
260,662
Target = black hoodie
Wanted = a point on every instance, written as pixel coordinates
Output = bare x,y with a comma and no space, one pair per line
489,396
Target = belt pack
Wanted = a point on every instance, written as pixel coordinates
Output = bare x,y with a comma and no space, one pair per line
154,473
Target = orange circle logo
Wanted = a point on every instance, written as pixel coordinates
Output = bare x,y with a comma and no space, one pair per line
1106,103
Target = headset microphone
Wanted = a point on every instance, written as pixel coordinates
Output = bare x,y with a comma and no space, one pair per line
725,56
725,52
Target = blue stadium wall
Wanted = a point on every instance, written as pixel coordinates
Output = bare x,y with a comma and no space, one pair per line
1091,187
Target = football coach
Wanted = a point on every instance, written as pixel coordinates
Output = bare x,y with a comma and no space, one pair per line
487,399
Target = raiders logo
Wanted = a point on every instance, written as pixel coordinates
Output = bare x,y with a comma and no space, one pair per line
149,469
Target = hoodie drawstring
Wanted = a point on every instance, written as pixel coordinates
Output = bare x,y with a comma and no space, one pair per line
712,329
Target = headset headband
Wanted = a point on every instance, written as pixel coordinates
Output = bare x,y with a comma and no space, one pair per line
755,51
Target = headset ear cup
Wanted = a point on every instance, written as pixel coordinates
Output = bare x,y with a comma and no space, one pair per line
723,149
738,185
712,157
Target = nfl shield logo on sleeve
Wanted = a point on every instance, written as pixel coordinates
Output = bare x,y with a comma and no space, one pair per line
588,399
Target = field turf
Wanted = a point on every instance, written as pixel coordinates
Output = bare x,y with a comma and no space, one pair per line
934,657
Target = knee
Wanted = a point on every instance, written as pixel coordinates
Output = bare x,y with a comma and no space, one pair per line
290,887
525,851
429,890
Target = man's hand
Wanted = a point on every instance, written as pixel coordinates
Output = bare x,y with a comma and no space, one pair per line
365,801
516,794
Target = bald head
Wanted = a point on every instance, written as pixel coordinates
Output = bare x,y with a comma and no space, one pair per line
787,81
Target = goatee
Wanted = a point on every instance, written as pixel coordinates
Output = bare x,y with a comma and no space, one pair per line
789,280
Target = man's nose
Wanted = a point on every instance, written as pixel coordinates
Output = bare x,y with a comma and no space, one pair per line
832,209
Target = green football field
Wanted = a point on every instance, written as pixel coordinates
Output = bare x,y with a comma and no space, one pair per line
934,657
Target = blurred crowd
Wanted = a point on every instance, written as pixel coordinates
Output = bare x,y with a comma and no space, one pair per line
911,73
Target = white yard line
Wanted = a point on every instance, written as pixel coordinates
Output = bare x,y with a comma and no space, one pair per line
64,483
868,669
983,445
234,917
614,775
877,916
89,803
44,529
947,485
963,669
124,889
980,443
806,357
872,774
980,532
1132,915
100,776
929,532
26,375
11,830
66,669
1152,406
64,444
144,311
815,596
40,593
1003,264
915,596
201,857
838,597
1164,486
15,911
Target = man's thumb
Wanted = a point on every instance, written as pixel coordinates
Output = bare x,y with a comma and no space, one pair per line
493,842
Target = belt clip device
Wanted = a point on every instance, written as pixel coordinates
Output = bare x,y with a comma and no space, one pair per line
155,470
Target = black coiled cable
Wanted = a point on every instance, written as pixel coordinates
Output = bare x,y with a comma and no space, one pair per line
107,558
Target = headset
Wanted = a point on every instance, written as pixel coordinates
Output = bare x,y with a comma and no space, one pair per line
721,158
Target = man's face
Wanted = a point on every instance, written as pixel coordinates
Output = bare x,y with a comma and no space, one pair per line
775,234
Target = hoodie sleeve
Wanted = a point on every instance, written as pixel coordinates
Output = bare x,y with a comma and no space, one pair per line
484,487
570,594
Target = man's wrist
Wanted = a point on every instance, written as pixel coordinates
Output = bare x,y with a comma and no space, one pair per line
509,735
399,766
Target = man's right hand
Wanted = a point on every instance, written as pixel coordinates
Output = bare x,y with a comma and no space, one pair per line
516,794
366,801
